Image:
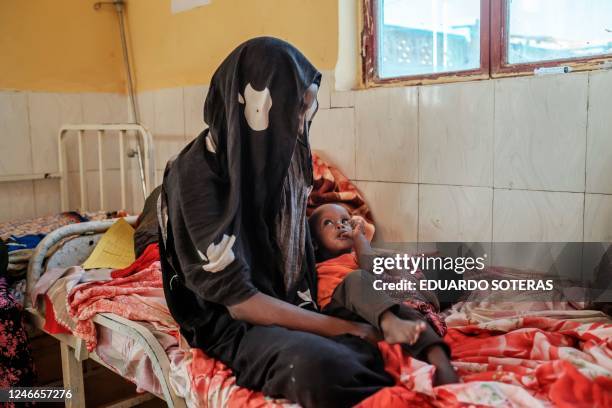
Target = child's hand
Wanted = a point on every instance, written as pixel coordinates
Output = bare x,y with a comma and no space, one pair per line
358,228
361,245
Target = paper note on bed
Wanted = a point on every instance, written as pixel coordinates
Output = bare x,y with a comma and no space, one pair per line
115,249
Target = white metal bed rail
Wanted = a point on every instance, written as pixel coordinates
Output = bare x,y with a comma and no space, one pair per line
146,159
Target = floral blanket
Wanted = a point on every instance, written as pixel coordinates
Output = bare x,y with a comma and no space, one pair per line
510,362
138,296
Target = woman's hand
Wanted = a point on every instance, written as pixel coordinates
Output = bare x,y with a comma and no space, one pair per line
264,310
366,332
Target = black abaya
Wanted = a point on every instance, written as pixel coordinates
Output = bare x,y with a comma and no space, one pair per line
222,201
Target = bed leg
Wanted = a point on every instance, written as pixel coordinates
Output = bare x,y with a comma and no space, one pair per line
72,371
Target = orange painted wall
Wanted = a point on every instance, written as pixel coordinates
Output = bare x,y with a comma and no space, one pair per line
185,48
59,45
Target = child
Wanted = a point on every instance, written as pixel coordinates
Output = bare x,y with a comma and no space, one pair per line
346,284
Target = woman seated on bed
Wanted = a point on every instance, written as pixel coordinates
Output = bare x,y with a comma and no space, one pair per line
236,251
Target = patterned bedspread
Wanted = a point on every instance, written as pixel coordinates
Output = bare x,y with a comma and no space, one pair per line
508,362
536,354
46,224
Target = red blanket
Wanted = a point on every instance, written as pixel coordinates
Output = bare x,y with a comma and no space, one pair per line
136,294
515,362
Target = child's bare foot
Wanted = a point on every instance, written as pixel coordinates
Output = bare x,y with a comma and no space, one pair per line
396,330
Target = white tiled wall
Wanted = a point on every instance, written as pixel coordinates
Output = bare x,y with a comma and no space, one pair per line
540,132
103,108
334,131
537,216
29,124
15,143
599,134
456,134
455,213
516,159
394,205
48,112
174,116
597,219
386,129
16,201
193,102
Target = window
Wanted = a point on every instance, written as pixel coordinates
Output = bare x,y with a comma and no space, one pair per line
423,41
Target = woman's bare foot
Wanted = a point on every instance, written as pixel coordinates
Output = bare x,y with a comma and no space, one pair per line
445,373
396,330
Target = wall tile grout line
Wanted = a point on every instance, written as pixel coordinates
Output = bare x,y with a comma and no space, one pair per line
27,97
476,186
494,86
31,182
354,136
355,133
586,153
418,164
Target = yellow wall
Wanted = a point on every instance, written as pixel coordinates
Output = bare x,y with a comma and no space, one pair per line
59,45
67,46
185,48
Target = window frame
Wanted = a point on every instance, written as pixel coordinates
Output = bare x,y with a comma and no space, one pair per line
499,50
369,43
493,51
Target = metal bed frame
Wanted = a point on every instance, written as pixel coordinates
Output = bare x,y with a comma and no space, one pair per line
84,236
144,153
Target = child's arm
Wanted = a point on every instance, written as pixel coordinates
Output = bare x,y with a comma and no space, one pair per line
361,246
363,250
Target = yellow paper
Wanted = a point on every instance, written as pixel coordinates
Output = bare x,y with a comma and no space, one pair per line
115,249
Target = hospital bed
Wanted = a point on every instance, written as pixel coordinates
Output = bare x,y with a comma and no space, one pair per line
76,243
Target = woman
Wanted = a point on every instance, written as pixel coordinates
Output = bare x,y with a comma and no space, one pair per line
237,259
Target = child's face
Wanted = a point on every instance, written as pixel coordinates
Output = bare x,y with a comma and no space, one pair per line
333,229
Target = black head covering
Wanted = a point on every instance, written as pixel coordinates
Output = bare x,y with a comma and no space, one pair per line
221,194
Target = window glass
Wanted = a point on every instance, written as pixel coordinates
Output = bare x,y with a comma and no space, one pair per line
418,37
541,30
